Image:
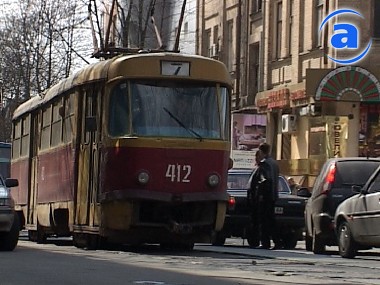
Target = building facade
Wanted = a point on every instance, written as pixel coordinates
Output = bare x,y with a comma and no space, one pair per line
290,61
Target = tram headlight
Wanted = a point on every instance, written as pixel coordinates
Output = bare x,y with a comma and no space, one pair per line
213,180
143,177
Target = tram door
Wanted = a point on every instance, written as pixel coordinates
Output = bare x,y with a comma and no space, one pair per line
31,216
87,211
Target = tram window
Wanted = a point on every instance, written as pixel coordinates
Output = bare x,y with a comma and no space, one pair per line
175,110
25,136
68,120
56,130
46,123
119,111
16,140
224,114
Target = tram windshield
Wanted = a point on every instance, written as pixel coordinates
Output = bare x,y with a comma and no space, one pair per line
169,109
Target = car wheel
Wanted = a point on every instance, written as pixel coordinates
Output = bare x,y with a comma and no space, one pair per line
218,238
346,243
318,244
9,240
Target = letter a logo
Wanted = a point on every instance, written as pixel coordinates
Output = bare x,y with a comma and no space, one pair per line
347,36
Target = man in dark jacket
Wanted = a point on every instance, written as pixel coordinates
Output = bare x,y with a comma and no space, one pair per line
254,200
270,173
264,193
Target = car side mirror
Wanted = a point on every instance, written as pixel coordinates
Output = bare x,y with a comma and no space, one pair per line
304,192
11,182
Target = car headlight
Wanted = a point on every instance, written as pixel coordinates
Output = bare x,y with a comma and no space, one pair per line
4,192
213,180
143,177
5,197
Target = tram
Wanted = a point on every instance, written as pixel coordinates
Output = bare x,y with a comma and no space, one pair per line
130,150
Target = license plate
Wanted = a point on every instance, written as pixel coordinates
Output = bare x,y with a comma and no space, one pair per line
278,210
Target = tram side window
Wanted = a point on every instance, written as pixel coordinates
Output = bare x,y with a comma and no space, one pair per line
46,124
224,113
119,111
68,120
16,139
56,127
25,131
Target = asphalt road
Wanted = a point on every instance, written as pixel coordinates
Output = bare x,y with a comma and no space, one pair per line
58,262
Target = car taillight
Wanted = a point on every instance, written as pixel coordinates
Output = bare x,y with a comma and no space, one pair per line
231,203
330,178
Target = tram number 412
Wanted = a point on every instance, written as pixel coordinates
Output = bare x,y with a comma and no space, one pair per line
178,173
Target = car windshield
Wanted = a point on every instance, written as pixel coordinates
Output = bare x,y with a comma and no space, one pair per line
238,180
283,186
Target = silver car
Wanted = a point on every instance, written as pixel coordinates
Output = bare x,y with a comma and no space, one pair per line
9,222
357,219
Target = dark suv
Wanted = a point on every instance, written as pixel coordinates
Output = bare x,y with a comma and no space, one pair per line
9,223
332,186
289,211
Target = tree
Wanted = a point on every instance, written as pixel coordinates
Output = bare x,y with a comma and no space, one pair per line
38,47
131,24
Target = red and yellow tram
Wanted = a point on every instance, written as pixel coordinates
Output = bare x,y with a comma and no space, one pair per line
133,149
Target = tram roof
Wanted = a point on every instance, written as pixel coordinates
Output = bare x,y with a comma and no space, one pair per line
123,66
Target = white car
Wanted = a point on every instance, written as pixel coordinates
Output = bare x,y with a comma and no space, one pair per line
357,219
9,222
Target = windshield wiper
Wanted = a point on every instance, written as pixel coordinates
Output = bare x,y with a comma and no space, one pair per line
183,125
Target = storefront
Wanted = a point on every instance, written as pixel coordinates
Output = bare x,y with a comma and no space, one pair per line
335,113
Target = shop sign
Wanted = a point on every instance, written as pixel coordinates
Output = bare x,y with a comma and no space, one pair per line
337,136
244,159
298,94
342,82
278,98
298,98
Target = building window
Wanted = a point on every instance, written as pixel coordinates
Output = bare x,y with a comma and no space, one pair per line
318,21
376,22
291,27
216,34
254,56
215,45
207,39
256,6
301,27
186,30
230,41
278,29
